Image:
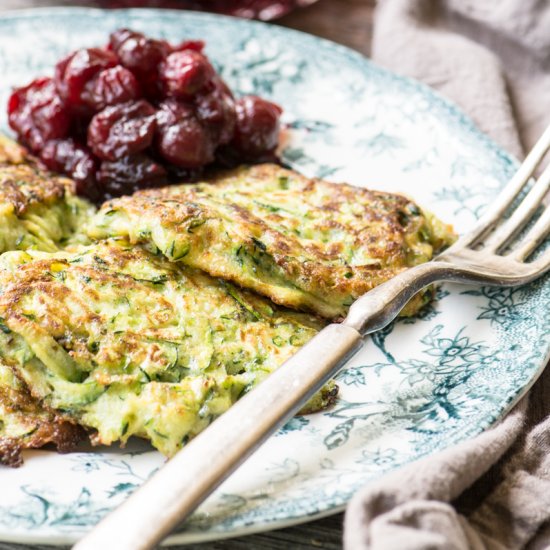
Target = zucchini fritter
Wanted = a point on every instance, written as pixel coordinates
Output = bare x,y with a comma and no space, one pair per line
304,243
24,424
37,209
125,343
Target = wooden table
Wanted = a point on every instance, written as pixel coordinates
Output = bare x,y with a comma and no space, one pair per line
348,22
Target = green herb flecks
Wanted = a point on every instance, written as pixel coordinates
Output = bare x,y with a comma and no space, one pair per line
236,295
3,327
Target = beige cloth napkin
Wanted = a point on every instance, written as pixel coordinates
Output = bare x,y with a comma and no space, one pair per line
492,57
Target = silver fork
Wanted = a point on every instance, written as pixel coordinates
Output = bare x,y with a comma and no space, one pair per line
483,256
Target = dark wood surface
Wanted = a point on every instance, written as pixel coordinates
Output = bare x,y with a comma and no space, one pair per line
348,22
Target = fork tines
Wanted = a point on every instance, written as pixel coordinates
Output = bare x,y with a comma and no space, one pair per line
496,237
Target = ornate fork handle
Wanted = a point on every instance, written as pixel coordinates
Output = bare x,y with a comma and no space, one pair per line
383,303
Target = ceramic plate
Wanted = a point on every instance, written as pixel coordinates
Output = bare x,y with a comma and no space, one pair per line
417,387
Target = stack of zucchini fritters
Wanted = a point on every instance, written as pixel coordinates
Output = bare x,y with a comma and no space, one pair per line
155,314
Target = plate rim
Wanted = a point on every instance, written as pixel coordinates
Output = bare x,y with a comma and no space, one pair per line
453,108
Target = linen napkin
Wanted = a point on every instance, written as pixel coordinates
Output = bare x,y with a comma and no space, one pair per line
492,57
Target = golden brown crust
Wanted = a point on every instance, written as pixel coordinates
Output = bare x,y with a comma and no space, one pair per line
64,435
309,243
23,182
11,152
42,426
22,185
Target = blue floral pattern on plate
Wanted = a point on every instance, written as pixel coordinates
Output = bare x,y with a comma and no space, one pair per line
418,386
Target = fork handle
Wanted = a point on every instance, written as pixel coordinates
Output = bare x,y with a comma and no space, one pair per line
378,307
164,501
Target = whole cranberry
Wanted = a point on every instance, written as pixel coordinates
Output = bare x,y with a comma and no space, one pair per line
127,175
185,73
116,38
257,128
109,87
65,155
216,110
142,56
137,52
77,69
181,138
122,130
38,114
